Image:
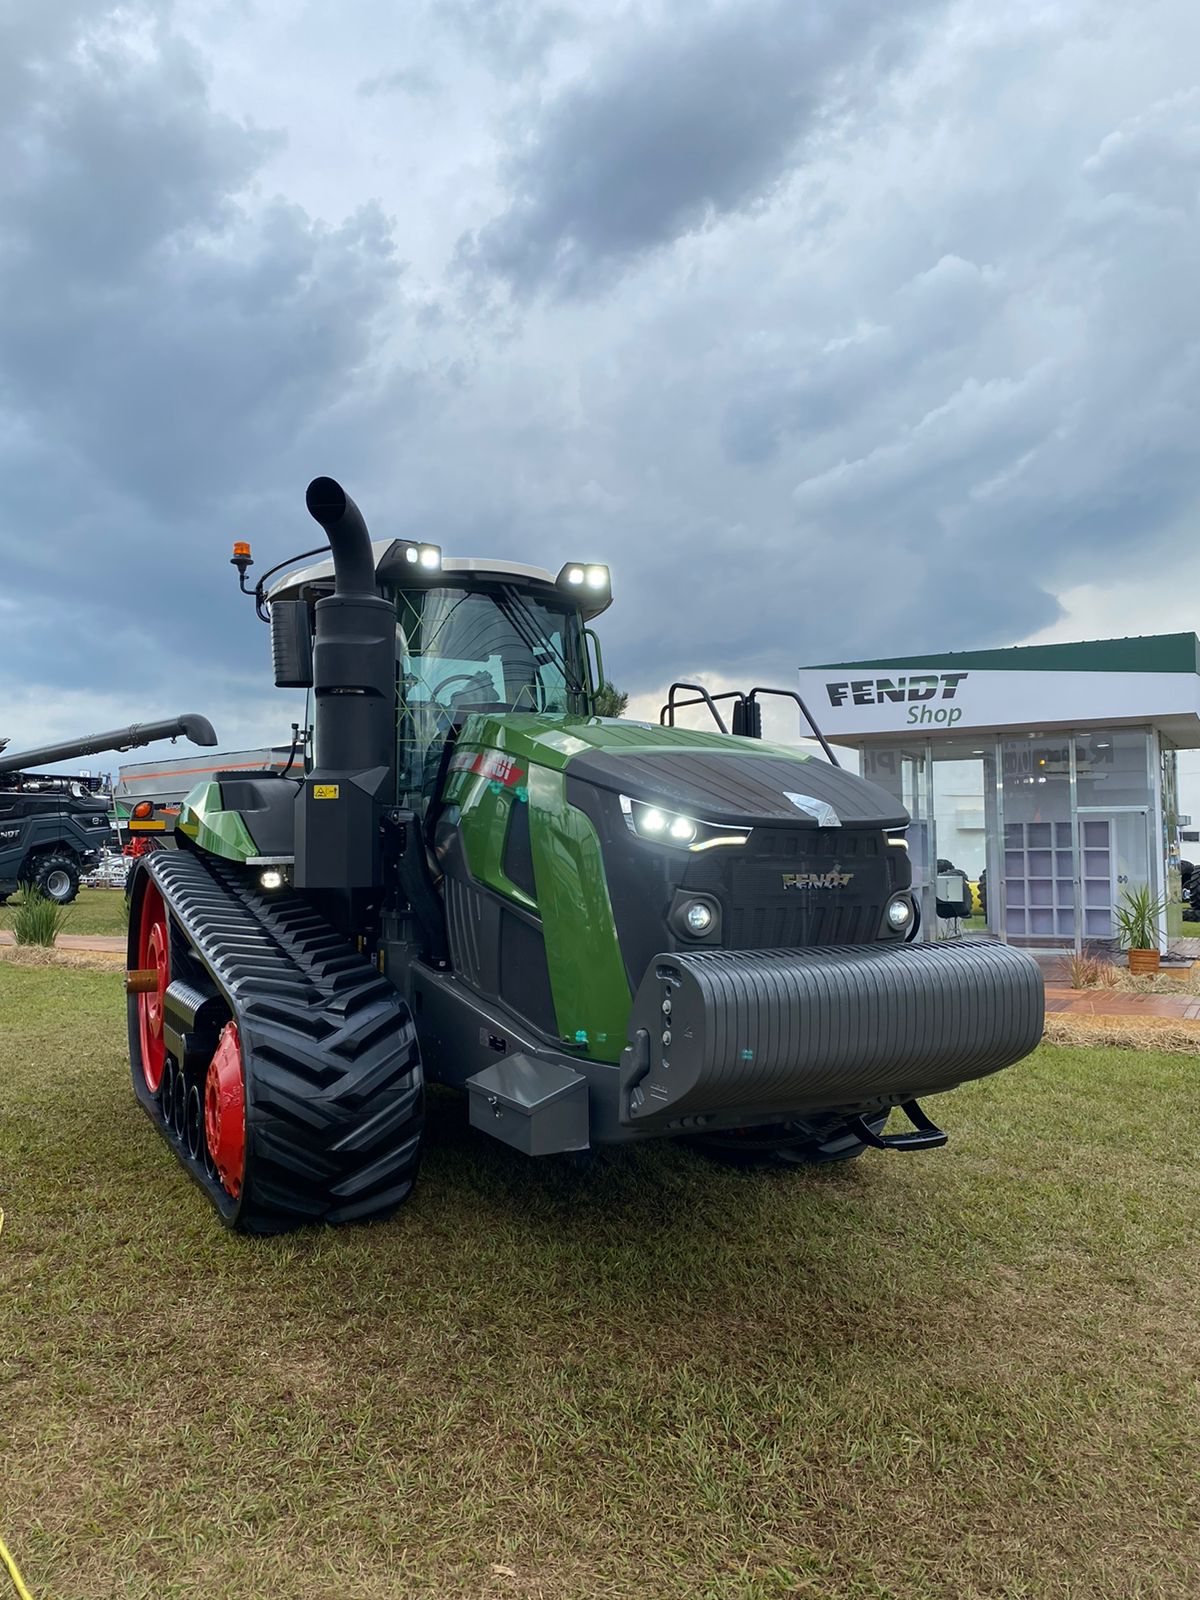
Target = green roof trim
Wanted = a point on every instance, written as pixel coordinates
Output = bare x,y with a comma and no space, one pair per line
1154,652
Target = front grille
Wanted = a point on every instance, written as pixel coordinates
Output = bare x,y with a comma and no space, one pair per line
764,914
776,927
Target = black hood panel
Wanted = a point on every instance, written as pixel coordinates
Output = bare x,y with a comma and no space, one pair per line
742,787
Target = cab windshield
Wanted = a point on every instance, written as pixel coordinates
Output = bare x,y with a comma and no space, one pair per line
463,650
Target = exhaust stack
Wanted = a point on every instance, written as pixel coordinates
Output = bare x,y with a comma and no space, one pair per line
338,811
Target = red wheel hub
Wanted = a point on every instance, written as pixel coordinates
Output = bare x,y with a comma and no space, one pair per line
225,1110
154,952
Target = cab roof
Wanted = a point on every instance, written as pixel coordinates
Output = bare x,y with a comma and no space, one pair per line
518,573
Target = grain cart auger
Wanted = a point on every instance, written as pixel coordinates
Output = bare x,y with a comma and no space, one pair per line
600,930
53,829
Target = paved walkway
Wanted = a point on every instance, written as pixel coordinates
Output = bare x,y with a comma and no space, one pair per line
1115,1003
79,941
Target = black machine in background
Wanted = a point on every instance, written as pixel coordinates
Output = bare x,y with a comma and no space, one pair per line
53,827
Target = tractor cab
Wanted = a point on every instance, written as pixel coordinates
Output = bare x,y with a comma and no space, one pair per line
472,637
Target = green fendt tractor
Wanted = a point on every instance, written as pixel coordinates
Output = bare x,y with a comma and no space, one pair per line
600,930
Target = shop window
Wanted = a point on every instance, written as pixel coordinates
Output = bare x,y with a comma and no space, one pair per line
1112,768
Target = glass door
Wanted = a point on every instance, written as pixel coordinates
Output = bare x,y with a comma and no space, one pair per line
1114,849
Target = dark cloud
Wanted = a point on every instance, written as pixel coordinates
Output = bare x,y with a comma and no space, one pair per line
688,120
167,339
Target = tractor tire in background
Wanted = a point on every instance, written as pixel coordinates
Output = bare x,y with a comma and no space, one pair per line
55,875
814,1143
280,1067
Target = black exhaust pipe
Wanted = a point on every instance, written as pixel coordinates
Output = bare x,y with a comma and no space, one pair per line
353,559
339,810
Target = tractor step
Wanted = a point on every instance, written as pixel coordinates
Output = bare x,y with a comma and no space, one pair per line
925,1135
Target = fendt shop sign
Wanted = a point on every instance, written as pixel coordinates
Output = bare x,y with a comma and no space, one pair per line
919,687
885,698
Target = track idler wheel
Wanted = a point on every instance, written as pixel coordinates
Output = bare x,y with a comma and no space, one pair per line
225,1111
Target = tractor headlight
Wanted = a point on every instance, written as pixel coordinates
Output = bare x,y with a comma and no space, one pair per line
899,914
585,575
696,917
271,878
658,826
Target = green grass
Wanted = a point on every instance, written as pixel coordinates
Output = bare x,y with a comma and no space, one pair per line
92,911
945,1377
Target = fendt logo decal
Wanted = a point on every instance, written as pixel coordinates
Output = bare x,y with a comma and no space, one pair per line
817,880
918,686
489,764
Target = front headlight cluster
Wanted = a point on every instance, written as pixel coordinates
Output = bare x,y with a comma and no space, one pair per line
656,825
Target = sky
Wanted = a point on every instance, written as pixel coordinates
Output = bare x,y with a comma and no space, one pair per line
837,329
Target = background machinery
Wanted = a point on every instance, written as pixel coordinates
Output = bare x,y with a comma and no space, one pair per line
599,930
53,828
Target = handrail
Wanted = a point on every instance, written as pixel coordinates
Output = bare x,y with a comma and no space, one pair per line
791,694
666,716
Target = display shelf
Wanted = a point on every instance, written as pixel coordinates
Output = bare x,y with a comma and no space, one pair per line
1039,881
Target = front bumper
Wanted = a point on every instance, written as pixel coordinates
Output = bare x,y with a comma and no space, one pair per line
828,1028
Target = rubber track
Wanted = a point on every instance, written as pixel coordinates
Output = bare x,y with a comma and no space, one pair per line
333,1074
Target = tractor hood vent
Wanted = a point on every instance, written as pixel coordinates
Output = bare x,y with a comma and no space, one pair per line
744,787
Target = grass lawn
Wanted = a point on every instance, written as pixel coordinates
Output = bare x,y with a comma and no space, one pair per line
92,911
965,1374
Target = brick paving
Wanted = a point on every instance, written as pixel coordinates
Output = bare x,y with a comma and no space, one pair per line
1114,1003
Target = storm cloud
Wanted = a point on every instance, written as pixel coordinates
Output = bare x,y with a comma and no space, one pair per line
835,329
684,122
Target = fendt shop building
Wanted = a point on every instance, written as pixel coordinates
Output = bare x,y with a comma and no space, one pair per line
1048,770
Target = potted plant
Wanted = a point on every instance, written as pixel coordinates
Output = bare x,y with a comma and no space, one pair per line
1137,928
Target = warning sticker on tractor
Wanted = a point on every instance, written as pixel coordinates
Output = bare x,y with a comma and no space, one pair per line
325,791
